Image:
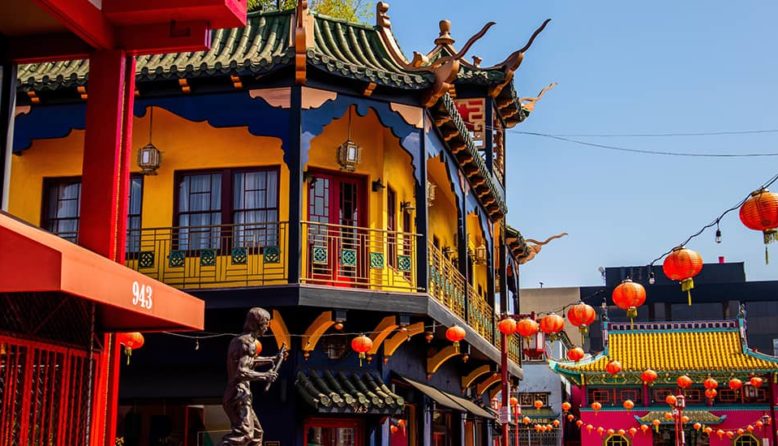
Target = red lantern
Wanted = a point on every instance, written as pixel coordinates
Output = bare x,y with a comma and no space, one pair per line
671,400
552,324
708,430
600,430
649,376
656,424
668,416
589,428
710,383
720,433
750,428
735,384
756,381
633,431
555,423
571,417
455,334
621,432
507,326
685,419
682,265
578,423
759,424
629,296
684,382
697,426
613,367
581,315
525,420
760,213
741,431
566,407
393,429
644,428
361,344
538,404
610,432
596,406
130,341
527,328
514,401
575,354
629,405
711,393
730,435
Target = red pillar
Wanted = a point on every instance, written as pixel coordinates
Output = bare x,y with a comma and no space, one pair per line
505,387
104,197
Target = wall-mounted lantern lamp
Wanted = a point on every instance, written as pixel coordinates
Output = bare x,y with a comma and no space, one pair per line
378,185
407,207
430,193
480,255
149,157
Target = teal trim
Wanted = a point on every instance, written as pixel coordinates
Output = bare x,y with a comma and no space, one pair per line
680,330
761,356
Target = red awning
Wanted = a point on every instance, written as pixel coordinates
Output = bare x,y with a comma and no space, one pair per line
35,261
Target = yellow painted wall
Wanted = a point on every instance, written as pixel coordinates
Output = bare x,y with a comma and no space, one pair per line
443,212
184,145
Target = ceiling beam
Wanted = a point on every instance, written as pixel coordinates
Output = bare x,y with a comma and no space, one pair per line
84,19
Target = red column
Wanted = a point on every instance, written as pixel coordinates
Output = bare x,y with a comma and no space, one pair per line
104,197
505,387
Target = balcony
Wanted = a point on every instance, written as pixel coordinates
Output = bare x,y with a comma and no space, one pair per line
449,287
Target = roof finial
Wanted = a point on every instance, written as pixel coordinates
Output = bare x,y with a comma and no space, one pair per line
444,38
477,61
381,16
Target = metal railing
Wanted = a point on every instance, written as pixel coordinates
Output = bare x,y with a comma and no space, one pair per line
449,286
356,257
446,283
251,254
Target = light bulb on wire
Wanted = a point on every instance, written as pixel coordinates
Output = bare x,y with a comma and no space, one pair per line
651,278
718,232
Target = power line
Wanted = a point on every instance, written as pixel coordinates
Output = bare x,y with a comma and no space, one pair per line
648,151
656,135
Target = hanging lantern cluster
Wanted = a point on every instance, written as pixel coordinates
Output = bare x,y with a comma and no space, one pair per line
507,326
760,213
361,344
682,265
527,328
629,296
455,334
552,324
581,315
130,341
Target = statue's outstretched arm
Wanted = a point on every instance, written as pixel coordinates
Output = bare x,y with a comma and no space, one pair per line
246,370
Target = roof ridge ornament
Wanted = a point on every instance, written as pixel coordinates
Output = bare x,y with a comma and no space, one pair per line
444,37
514,60
381,17
300,42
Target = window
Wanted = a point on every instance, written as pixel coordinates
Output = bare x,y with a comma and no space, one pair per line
746,440
620,440
245,199
391,226
62,203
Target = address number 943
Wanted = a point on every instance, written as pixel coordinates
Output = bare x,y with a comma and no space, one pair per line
141,295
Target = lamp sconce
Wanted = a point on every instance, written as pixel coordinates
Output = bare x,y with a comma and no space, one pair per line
349,156
340,318
404,320
308,177
480,255
447,251
407,206
149,159
378,185
430,193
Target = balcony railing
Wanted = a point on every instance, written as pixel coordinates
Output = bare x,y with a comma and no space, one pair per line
244,255
449,286
355,257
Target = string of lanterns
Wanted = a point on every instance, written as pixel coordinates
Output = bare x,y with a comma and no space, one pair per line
644,428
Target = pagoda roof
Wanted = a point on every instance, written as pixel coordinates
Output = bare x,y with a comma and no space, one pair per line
695,416
364,53
698,349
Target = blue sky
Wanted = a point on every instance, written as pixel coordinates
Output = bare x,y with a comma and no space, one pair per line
627,67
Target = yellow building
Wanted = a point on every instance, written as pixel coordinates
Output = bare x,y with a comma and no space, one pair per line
305,165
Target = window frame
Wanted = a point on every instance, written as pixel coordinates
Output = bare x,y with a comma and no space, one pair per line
752,440
45,217
391,226
622,440
227,209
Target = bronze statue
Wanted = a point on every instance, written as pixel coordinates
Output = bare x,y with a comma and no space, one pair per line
242,358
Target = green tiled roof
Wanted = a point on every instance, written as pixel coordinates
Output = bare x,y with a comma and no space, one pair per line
356,51
262,46
544,413
695,416
330,391
516,243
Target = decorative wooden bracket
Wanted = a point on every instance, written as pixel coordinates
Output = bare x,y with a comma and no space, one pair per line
381,332
512,62
315,331
488,382
279,330
434,362
470,378
392,344
300,43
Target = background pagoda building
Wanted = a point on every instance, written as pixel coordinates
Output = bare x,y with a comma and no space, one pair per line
303,164
630,407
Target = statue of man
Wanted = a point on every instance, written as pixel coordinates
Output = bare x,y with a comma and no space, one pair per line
242,358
